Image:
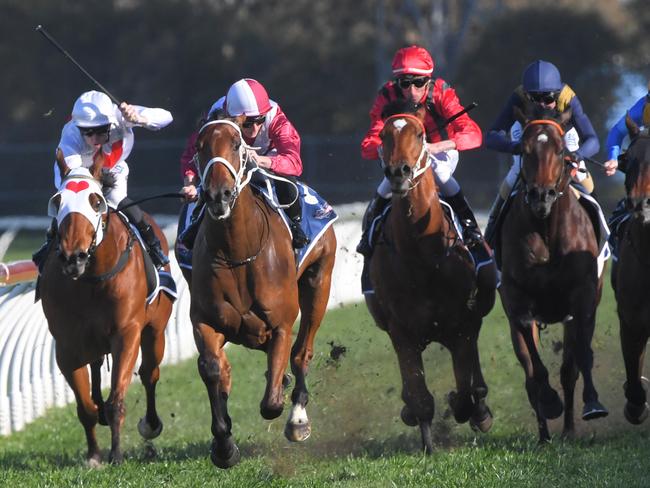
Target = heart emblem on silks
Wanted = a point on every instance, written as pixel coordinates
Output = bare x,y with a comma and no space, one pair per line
77,186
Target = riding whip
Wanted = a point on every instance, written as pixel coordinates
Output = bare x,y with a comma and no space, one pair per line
41,29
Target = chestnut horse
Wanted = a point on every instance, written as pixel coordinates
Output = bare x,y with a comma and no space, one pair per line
630,278
94,293
246,288
549,273
425,285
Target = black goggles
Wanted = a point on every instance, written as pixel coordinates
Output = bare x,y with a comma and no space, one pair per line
250,121
543,97
405,83
91,131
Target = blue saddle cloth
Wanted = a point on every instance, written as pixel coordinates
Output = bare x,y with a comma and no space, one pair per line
317,217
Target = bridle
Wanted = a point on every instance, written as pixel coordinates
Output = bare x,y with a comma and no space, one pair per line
561,183
423,162
242,177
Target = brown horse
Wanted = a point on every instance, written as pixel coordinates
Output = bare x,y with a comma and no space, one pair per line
246,288
630,277
550,274
94,293
425,285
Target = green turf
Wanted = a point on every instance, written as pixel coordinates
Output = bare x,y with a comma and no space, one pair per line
358,439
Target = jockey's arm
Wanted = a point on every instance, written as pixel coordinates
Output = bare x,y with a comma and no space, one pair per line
498,137
589,144
618,132
440,146
151,118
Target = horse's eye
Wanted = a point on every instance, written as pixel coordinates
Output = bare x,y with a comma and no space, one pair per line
237,144
95,202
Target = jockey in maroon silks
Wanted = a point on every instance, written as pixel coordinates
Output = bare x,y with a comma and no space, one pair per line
276,144
412,70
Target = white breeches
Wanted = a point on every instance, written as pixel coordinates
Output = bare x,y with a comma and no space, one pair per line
114,195
443,165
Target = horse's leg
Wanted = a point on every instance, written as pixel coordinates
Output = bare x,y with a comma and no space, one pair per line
277,356
314,289
568,378
124,349
96,385
584,331
153,349
214,369
524,341
481,418
86,411
462,357
419,404
633,343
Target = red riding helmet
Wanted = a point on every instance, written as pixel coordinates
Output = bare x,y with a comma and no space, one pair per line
412,60
247,97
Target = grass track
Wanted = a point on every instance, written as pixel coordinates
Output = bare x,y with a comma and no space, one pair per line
358,439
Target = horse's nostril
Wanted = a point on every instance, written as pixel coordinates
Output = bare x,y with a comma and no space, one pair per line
406,169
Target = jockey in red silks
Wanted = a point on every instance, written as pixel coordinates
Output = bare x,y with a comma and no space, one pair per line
100,129
276,144
412,71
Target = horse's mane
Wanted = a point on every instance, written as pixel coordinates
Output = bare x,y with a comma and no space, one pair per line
399,106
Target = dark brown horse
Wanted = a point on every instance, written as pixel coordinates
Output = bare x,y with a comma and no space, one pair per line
246,288
630,274
425,285
94,293
550,273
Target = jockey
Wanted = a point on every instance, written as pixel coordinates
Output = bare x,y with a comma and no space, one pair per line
99,129
412,69
276,144
640,115
541,85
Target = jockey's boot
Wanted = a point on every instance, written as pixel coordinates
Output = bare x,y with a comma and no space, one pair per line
299,238
374,209
471,232
490,229
188,236
39,256
153,244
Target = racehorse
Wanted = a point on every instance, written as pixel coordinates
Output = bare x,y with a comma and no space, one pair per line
94,295
245,288
425,283
549,272
630,278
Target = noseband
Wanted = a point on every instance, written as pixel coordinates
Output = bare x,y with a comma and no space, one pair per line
241,179
419,167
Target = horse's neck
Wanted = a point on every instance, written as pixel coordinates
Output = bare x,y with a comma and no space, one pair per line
108,251
639,233
239,235
418,215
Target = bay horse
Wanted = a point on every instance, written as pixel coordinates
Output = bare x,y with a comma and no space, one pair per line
630,277
245,288
94,296
549,272
425,285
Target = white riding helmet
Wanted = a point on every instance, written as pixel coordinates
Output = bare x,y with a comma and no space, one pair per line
247,97
93,109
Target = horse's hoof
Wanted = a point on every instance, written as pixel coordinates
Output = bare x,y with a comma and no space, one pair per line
407,417
552,407
146,431
225,463
482,425
297,432
94,462
635,414
593,410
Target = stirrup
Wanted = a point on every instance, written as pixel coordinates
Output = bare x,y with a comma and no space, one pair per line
299,239
158,257
364,247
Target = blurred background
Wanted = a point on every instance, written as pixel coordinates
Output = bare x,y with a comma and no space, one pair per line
321,61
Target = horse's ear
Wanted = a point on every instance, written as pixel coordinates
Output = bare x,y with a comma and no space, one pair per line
632,128
239,120
520,116
98,163
64,169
